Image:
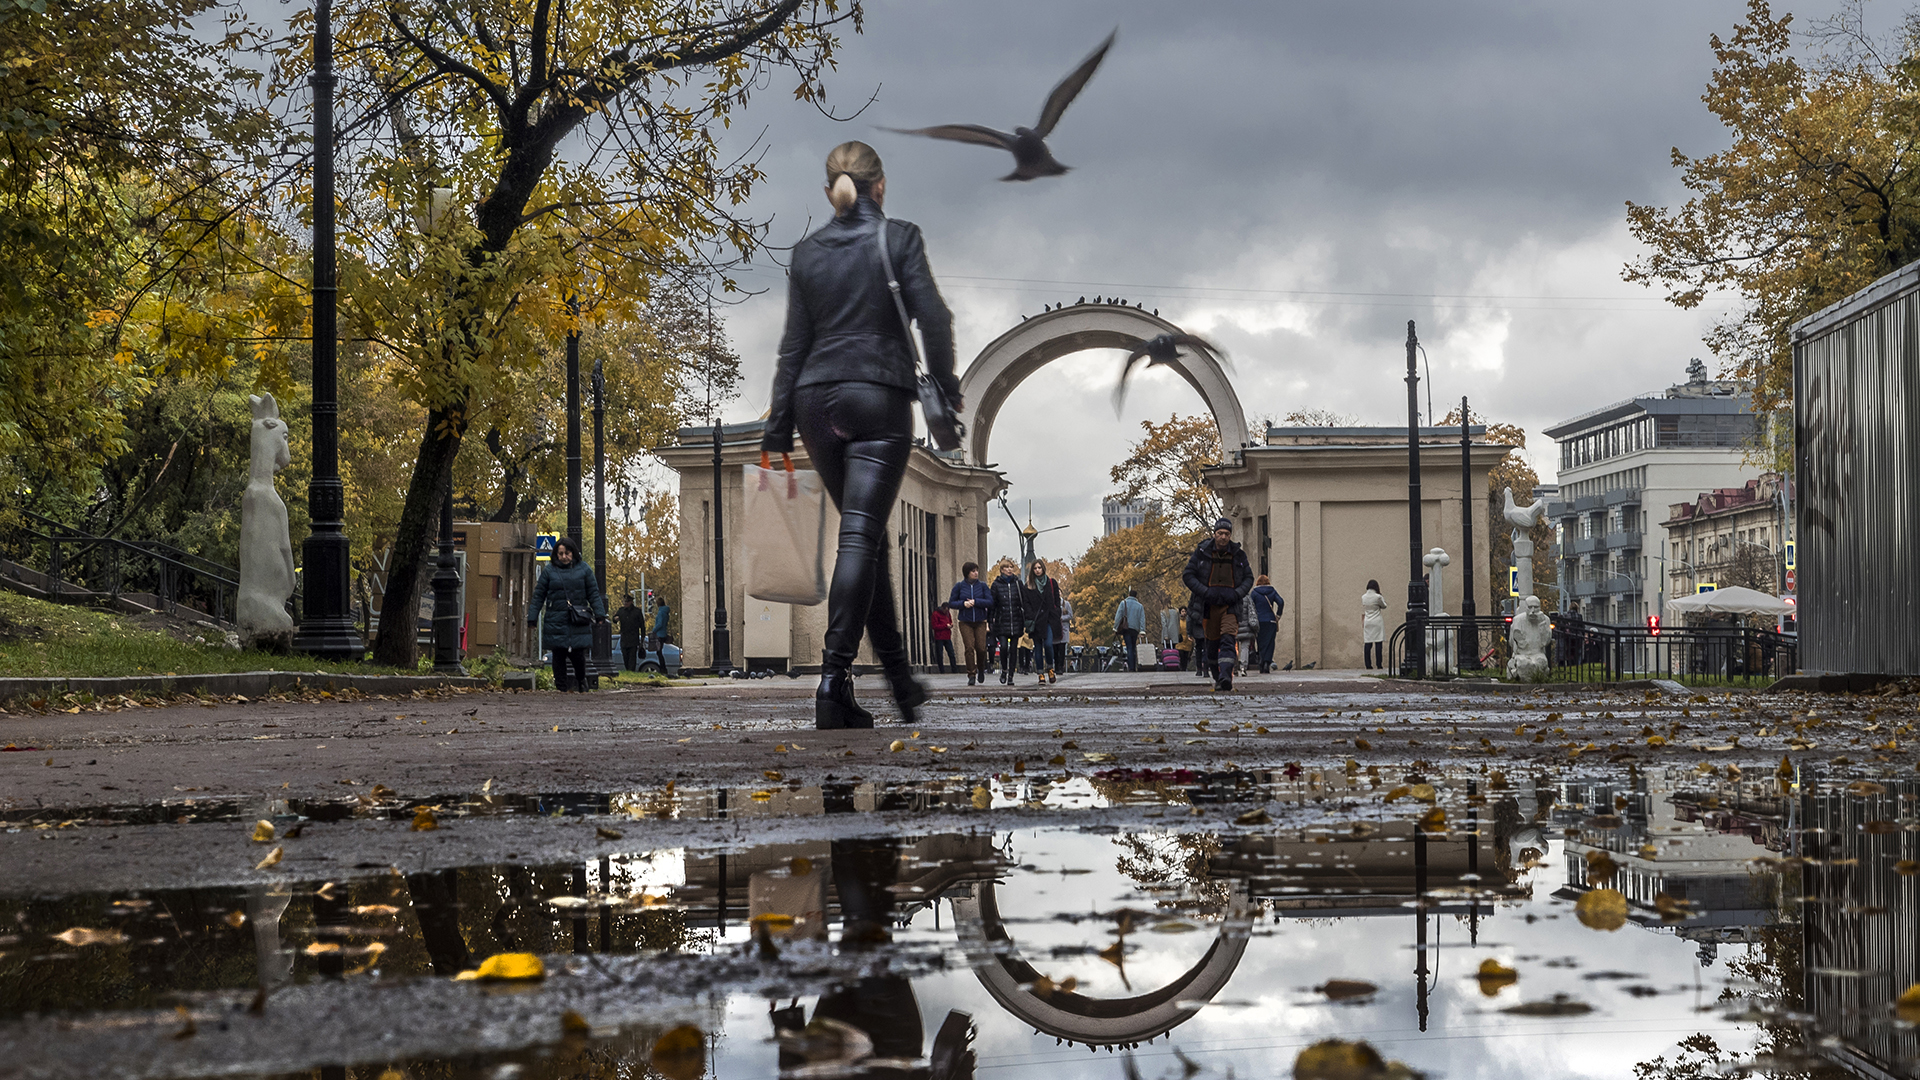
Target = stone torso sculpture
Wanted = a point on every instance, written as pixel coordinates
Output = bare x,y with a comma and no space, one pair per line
1528,641
266,550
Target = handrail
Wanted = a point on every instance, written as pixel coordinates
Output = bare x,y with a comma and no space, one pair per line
155,548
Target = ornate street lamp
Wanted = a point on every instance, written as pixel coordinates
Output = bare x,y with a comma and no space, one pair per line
1415,658
1469,626
326,624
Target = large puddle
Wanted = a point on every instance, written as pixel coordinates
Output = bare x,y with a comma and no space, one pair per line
1640,923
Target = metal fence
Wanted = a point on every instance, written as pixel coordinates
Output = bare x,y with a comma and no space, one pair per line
1590,652
72,565
1856,403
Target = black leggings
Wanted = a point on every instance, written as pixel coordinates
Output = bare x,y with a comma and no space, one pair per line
570,680
858,436
1375,653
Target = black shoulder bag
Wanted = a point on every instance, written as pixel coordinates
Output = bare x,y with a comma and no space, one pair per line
943,424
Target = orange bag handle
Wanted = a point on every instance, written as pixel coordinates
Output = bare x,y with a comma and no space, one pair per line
766,462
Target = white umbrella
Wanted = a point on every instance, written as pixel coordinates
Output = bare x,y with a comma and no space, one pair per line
1732,600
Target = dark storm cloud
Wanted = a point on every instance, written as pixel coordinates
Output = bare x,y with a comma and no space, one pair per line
1365,163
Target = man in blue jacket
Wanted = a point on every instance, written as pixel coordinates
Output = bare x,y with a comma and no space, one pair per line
1128,621
972,604
1267,606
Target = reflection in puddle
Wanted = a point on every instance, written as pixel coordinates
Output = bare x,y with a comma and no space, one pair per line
1662,924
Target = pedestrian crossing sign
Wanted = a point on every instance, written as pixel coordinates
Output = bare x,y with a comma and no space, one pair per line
543,546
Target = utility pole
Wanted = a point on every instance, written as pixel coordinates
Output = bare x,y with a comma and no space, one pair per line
574,528
722,629
1415,658
326,622
1469,628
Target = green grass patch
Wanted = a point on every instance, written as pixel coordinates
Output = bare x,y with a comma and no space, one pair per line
39,640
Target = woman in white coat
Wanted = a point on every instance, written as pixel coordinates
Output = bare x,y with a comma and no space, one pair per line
1373,626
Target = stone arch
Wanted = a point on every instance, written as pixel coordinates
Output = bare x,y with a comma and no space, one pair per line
1065,1014
1038,341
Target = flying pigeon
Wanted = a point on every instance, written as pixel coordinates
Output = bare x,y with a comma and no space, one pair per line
1524,518
1160,349
1031,158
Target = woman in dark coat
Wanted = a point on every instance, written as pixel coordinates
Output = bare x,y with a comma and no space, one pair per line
570,595
1010,616
846,380
1042,597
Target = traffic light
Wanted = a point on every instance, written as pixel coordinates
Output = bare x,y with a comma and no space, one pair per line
1653,625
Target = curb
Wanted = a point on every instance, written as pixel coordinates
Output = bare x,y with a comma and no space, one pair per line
246,683
1834,683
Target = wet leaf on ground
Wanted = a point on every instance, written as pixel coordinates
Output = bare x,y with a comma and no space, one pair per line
272,859
263,832
507,967
81,935
1346,989
424,821
1602,909
1337,1059
680,1054
1558,1005
1495,976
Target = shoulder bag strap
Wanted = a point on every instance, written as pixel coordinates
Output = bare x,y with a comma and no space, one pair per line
899,305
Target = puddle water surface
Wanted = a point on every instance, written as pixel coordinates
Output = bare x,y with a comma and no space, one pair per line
1644,923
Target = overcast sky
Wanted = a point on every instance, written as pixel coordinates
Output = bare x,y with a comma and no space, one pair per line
1294,180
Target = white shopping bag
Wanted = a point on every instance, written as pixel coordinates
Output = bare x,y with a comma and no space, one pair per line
783,539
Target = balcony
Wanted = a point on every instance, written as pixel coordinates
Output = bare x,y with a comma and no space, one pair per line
1586,588
1587,545
1620,583
1623,541
1557,510
1588,503
1622,497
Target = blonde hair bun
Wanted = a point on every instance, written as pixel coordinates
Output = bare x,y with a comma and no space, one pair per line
851,168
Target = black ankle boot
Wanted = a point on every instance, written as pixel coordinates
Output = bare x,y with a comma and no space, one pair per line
833,704
908,693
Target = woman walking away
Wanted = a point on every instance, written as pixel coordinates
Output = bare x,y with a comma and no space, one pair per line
1373,626
1043,618
569,594
972,603
1267,606
1010,616
846,380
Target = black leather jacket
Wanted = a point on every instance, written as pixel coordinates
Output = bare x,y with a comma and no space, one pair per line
841,322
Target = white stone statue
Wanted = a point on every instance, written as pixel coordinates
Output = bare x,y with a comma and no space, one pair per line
266,549
1527,642
1523,519
1442,652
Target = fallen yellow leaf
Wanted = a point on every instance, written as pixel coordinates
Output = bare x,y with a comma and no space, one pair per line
1495,976
81,935
424,821
263,831
1602,909
507,966
680,1054
982,798
272,859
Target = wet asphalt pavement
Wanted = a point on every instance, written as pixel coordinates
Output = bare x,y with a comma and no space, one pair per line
108,805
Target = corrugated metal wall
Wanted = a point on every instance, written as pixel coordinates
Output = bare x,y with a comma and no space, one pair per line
1857,434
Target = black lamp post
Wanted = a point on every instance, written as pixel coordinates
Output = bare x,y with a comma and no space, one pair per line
326,624
722,629
1469,627
446,593
1415,658
603,664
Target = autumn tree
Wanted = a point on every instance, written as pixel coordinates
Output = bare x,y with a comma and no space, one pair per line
1513,473
1813,200
529,161
1168,465
120,133
1146,558
1319,418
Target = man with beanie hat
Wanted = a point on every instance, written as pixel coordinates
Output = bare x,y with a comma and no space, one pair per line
1218,576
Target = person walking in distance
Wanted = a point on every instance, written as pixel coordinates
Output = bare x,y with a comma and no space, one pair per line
1042,597
1010,616
942,639
846,379
570,596
1063,631
1128,621
1218,577
972,604
629,620
1267,606
660,613
1373,626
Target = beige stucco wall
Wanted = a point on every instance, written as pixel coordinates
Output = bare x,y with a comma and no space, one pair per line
1338,517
